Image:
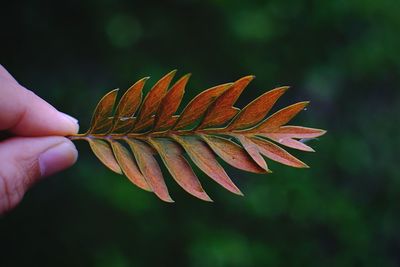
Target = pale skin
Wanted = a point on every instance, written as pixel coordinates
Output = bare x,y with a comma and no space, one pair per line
36,147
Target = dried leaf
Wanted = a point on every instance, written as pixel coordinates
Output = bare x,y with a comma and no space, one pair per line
289,142
128,104
196,108
103,152
222,110
296,132
157,130
100,122
281,117
170,104
153,100
172,156
150,168
232,153
254,112
253,151
123,125
204,158
129,166
276,153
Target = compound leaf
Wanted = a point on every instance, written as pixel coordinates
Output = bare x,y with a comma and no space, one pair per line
151,127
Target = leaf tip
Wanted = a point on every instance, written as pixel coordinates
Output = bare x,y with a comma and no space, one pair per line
185,78
168,199
319,134
112,92
239,193
301,165
205,197
246,80
249,77
234,189
285,88
172,72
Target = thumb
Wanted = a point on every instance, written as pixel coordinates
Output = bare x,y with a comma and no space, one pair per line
24,160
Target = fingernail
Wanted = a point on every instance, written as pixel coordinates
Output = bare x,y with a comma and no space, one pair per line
71,119
57,158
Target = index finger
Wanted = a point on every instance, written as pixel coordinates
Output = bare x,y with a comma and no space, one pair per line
24,113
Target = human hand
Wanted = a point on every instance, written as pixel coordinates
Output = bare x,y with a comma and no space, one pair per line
36,147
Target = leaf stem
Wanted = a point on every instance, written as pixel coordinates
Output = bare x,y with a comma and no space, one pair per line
145,135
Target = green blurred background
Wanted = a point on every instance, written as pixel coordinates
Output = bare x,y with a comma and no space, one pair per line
342,55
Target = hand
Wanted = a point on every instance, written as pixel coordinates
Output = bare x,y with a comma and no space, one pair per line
37,147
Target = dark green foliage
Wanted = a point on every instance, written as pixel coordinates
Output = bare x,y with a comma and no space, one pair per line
341,55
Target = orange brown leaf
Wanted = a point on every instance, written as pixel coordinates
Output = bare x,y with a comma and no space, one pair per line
128,165
281,117
172,156
196,108
103,152
153,100
170,104
205,159
222,110
232,153
242,138
150,168
254,112
128,104
100,119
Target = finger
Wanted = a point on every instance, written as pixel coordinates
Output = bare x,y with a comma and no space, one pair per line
24,113
24,160
5,74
